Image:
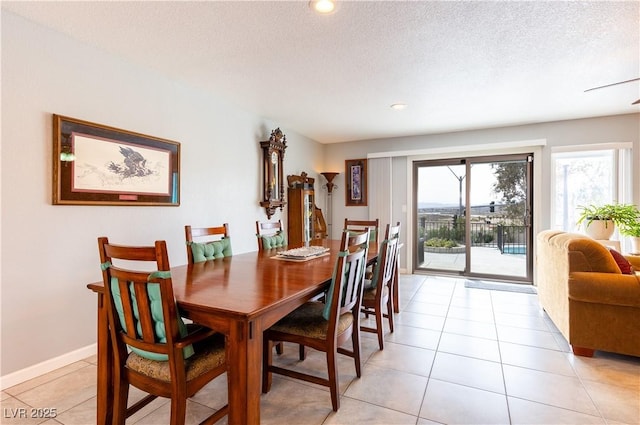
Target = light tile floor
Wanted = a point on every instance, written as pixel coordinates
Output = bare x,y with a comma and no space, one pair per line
458,356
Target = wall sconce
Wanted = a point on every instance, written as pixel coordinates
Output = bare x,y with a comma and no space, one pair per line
330,186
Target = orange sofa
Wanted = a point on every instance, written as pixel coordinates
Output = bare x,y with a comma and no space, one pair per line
585,294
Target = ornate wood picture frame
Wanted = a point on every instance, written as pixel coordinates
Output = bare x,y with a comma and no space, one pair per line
273,190
356,182
94,164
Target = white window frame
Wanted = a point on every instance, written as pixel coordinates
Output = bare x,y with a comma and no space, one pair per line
622,173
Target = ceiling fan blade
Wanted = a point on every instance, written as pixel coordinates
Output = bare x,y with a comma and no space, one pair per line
614,84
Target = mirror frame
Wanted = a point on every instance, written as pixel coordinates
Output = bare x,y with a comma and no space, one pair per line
273,193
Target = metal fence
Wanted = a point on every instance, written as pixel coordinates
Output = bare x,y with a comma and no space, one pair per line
509,239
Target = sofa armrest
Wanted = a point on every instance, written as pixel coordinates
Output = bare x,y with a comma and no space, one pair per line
634,260
605,288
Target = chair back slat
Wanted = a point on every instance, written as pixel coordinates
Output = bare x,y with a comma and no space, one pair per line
268,228
346,292
127,306
392,231
145,316
200,232
353,280
141,310
388,262
359,225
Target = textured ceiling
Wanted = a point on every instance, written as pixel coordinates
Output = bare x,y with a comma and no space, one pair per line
458,65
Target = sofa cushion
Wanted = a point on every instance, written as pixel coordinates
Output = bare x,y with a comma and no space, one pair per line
623,263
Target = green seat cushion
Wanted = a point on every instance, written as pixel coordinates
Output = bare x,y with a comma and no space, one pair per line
158,319
211,250
274,241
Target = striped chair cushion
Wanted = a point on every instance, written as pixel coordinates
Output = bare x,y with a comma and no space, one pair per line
370,293
209,354
307,320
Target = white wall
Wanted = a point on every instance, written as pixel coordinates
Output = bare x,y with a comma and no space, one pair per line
49,253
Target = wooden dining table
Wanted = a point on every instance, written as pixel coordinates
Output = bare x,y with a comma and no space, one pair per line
239,296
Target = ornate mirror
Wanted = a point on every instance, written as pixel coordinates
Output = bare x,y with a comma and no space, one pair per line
272,176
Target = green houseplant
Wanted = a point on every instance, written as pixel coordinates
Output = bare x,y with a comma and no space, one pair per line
631,228
599,220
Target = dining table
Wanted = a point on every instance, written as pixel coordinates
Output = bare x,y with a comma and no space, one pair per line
240,296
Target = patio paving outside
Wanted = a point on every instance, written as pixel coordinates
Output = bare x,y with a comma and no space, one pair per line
483,260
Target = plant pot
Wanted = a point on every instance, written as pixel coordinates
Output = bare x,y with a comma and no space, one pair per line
599,229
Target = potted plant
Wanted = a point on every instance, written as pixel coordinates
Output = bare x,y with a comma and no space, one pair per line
600,220
631,228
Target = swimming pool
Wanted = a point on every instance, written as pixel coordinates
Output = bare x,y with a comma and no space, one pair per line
514,249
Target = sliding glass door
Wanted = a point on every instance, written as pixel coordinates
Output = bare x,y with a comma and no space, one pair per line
474,216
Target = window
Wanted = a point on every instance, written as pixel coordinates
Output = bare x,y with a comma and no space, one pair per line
582,177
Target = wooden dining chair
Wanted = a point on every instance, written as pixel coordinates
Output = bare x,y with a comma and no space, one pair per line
207,243
360,225
378,292
270,235
374,231
326,326
153,349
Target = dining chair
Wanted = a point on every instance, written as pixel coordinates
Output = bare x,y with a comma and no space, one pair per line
360,225
270,235
153,349
326,326
378,292
207,243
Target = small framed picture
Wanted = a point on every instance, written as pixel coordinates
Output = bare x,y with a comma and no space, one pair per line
356,182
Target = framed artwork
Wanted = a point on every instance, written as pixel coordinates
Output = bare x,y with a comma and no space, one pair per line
356,182
98,165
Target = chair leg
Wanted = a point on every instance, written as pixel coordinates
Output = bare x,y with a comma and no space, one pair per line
302,352
332,366
379,327
121,396
355,338
178,410
390,314
267,358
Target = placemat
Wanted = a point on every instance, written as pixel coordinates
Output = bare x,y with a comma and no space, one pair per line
300,260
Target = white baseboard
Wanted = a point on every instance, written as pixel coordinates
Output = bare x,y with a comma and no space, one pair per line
47,366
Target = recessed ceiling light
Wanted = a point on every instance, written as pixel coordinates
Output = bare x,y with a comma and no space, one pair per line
323,7
399,106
